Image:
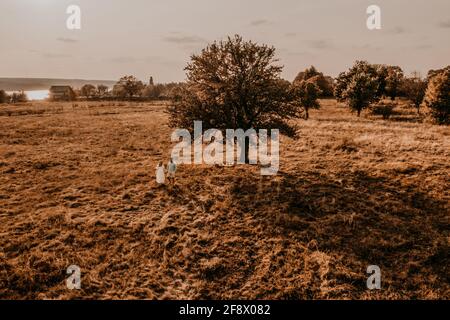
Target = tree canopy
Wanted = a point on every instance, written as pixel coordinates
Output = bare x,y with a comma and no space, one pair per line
236,84
359,86
437,96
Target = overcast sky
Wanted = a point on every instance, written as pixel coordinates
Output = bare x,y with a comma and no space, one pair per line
149,37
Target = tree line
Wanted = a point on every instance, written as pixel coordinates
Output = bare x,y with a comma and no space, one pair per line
238,83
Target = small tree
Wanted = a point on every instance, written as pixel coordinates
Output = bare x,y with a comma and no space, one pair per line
393,81
307,91
325,84
88,90
437,96
20,96
153,91
131,86
102,90
413,89
389,80
235,84
358,87
3,96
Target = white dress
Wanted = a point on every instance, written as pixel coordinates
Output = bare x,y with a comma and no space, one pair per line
160,178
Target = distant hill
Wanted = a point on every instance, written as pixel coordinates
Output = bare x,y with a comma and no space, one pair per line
26,84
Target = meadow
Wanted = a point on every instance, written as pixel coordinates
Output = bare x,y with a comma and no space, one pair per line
77,187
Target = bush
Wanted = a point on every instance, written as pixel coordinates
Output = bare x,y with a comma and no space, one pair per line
437,97
383,109
19,97
3,97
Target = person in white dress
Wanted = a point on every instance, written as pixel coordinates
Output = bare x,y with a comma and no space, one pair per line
160,174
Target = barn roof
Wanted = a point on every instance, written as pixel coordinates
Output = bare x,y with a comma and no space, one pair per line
60,88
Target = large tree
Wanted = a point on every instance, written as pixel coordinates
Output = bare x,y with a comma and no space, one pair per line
130,86
358,87
88,90
235,84
437,96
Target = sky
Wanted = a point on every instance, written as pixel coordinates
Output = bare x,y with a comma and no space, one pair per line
156,38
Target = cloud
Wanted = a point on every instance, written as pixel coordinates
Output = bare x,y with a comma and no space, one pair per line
51,55
320,44
181,39
444,24
259,22
66,40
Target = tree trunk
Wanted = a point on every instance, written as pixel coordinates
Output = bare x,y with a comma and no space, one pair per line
359,113
307,114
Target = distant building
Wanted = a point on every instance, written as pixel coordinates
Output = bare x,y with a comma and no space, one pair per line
61,93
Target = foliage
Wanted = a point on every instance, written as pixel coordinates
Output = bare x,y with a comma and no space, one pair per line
324,83
389,80
235,84
3,97
88,90
437,97
413,88
358,87
307,92
128,86
386,110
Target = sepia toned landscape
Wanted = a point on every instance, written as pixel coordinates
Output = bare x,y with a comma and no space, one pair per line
77,187
233,157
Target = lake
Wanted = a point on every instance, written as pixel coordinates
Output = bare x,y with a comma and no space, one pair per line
35,94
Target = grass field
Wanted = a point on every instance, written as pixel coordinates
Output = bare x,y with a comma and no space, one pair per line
77,186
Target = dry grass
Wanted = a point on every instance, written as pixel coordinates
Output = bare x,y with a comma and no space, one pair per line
77,187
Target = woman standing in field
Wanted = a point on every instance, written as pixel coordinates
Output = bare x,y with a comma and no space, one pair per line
160,174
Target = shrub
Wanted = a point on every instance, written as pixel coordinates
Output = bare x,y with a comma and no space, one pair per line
20,96
437,97
383,109
3,97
